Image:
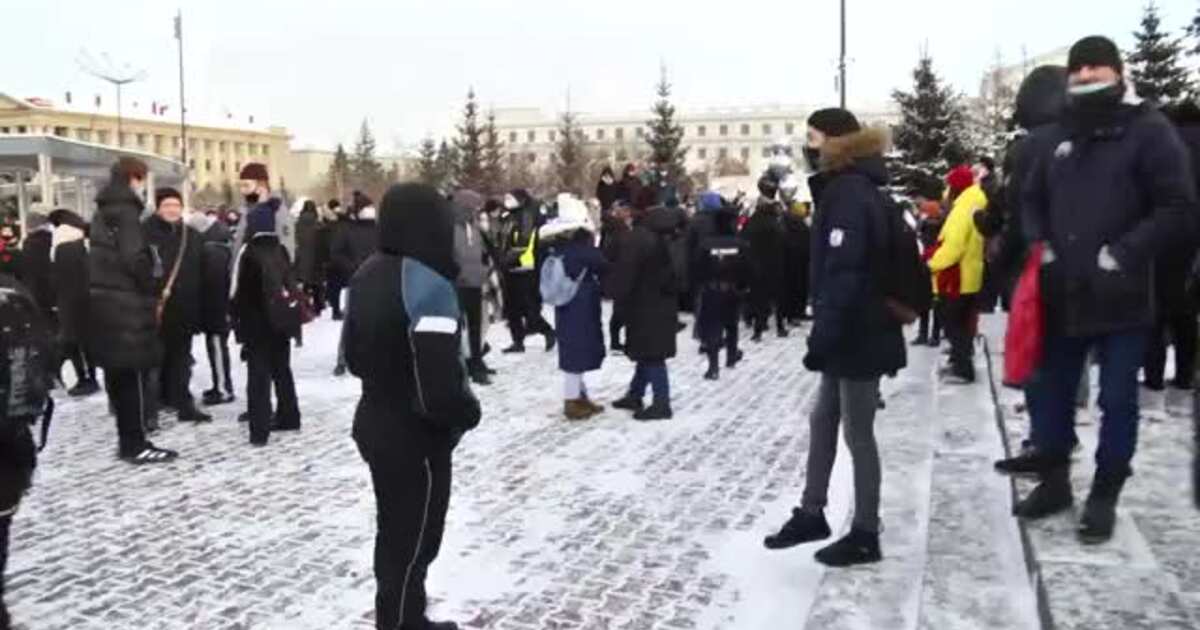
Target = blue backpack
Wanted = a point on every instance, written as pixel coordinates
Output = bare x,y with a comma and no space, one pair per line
558,289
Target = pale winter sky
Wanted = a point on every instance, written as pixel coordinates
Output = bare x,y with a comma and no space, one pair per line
319,68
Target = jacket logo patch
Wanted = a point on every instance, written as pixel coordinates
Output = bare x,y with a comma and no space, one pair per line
1064,150
836,236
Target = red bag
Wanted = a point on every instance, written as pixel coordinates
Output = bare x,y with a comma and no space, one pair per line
1026,324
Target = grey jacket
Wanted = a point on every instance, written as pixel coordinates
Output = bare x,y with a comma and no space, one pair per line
469,250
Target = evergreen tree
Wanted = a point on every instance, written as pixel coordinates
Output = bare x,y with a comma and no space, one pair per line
493,158
1193,31
990,117
1155,63
521,174
931,136
366,171
427,166
470,146
570,159
666,135
447,166
339,175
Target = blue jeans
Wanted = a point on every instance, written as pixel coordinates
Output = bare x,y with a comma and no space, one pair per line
654,374
1051,395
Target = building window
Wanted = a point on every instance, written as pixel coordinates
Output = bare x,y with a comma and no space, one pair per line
722,153
222,166
221,146
766,129
745,129
512,137
266,150
122,138
531,136
60,132
640,132
192,164
208,165
3,129
789,128
192,145
237,167
175,143
81,134
208,146
599,134
531,157
21,129
701,131
553,136
622,155
581,135
619,133
702,154
239,147
766,152
253,148
102,137
723,130
745,154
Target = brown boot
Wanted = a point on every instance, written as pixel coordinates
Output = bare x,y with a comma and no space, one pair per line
593,408
576,410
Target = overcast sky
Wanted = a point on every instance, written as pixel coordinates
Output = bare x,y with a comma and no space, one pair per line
319,68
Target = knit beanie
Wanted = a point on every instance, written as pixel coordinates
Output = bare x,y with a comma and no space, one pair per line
165,193
254,171
960,178
1095,51
834,122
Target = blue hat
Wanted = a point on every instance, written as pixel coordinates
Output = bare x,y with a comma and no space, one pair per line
711,200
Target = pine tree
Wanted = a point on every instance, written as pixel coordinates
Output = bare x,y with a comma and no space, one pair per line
990,118
447,166
666,135
365,170
1155,63
493,158
931,136
339,175
570,158
427,166
1193,31
469,145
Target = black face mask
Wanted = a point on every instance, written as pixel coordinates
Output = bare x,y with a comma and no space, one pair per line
252,198
813,158
1095,109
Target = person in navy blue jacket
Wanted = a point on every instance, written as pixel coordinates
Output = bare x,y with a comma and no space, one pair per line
1111,189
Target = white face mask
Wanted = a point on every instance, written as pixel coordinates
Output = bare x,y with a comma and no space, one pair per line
1083,89
510,202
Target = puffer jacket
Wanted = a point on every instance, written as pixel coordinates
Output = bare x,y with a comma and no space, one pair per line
960,243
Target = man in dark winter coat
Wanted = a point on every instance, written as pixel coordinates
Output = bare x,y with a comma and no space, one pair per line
335,279
123,287
403,340
1111,188
217,258
644,289
262,272
764,233
308,274
797,241
720,272
35,268
351,246
620,229
518,242
69,273
855,339
177,251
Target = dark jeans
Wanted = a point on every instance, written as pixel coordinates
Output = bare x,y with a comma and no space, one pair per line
269,362
128,392
412,494
175,375
219,363
1051,395
1182,327
654,375
960,318
470,300
523,306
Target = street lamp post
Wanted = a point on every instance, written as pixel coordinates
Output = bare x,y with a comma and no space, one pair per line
842,60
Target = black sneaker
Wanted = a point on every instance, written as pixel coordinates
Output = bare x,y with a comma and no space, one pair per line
857,547
280,425
192,414
782,333
1028,464
803,527
516,348
244,416
1051,496
339,371
84,388
713,374
150,454
628,403
213,398
733,359
656,411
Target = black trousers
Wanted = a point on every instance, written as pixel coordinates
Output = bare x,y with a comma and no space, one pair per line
175,375
763,303
269,362
333,288
523,306
412,494
5,523
615,325
470,299
960,316
932,316
128,393
1182,328
218,362
77,354
720,312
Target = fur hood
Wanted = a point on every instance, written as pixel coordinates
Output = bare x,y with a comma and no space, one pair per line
843,151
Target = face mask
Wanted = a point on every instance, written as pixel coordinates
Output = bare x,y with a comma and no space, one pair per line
510,202
813,158
607,179
252,198
1095,97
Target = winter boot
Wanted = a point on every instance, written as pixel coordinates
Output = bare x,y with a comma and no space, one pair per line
803,527
339,371
629,403
857,547
713,372
592,407
189,413
1051,496
83,388
1028,464
781,332
734,358
656,411
478,372
551,341
1100,511
516,348
576,410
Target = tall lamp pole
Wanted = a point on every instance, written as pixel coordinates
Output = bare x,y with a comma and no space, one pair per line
118,77
842,60
183,142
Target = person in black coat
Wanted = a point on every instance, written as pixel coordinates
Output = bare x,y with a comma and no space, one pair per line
644,289
403,339
336,278
69,273
217,259
797,238
123,291
35,267
720,273
1128,166
262,271
351,247
178,254
308,273
765,234
620,229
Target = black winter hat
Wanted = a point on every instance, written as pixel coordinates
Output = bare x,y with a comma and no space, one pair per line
834,122
768,186
162,194
1095,50
416,221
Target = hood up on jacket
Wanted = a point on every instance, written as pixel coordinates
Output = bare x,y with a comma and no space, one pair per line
467,204
417,222
118,193
862,151
1042,97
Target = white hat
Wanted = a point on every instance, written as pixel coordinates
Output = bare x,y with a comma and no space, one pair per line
572,216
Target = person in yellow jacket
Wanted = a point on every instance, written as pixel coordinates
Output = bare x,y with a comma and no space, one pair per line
958,267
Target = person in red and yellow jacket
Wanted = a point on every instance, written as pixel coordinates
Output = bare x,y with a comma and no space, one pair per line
958,267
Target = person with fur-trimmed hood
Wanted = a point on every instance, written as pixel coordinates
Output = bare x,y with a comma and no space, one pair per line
855,340
69,273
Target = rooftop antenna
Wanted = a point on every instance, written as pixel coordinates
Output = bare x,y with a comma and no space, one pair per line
119,75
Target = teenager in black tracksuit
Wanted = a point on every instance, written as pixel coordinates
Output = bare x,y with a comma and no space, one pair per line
264,267
123,295
69,273
217,259
403,340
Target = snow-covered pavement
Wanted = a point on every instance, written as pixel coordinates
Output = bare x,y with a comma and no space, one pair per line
602,524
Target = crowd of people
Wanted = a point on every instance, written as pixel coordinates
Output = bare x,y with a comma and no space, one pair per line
1104,188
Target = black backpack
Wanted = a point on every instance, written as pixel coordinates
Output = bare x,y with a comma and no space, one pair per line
904,277
25,359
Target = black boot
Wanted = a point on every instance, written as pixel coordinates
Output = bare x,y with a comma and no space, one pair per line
189,413
628,403
656,411
1100,511
478,372
803,527
1051,496
551,341
1029,463
733,358
516,348
857,547
714,372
